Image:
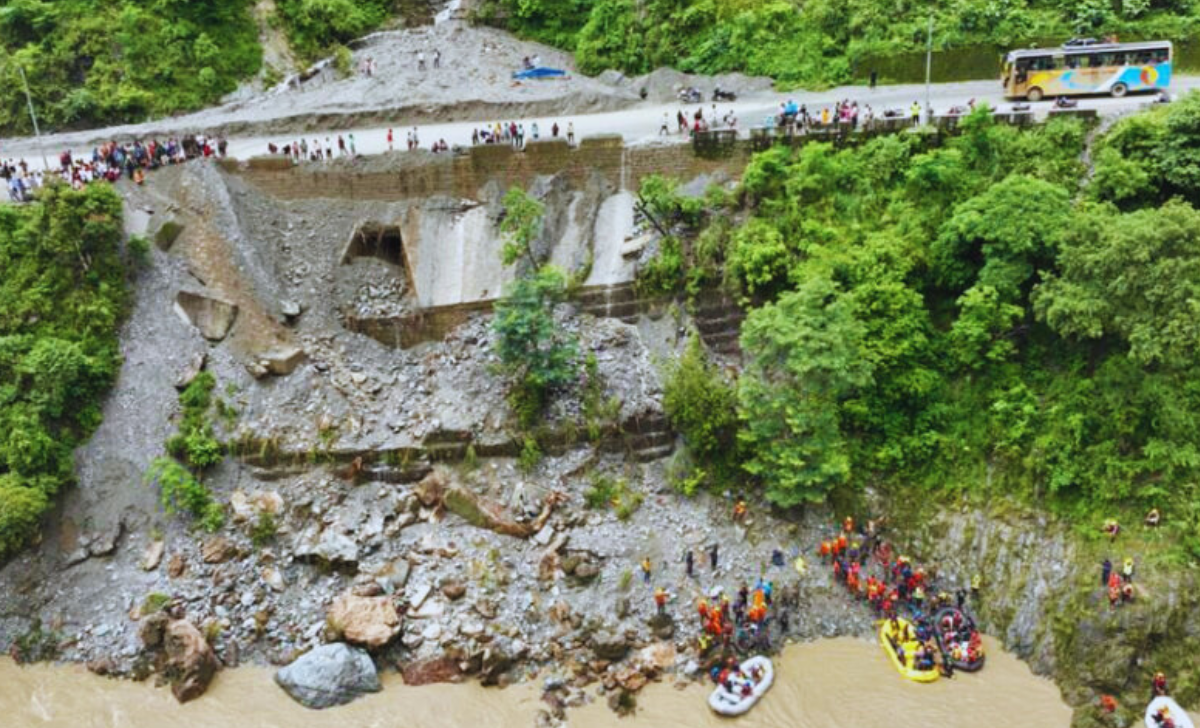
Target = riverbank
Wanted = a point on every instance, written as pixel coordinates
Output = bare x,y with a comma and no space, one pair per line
831,683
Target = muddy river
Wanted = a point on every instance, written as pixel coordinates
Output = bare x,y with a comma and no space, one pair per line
828,684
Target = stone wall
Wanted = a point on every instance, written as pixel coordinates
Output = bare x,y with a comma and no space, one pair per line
462,175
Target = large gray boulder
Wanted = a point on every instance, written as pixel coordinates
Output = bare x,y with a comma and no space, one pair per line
329,675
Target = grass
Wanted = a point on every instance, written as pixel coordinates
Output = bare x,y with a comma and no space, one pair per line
154,603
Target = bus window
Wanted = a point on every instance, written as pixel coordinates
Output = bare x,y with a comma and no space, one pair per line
1162,55
1096,61
1116,59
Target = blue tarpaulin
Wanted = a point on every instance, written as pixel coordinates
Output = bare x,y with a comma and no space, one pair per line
541,72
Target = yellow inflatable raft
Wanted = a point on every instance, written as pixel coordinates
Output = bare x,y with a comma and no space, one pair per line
905,639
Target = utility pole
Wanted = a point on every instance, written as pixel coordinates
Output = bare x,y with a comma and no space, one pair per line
33,117
928,72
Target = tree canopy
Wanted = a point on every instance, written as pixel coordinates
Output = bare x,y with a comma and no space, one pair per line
62,296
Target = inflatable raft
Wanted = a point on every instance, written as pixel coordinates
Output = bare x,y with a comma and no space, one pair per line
905,667
724,702
956,617
1172,710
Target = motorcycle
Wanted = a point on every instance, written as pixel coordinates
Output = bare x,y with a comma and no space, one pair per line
690,95
720,94
1062,102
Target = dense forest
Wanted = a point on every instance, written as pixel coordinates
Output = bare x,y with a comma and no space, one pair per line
976,314
814,42
62,297
110,61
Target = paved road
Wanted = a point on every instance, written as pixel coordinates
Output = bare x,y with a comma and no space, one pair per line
638,124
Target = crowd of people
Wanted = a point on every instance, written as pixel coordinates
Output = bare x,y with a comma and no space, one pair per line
894,587
514,133
107,162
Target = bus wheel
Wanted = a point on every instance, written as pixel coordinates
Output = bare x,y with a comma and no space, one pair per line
1034,94
1118,90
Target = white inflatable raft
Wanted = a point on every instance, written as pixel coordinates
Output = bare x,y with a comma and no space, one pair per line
1176,713
724,702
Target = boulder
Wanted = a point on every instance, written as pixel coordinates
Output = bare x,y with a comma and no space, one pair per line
432,670
212,316
432,487
176,566
217,549
282,360
153,554
191,663
194,366
329,675
273,578
609,645
152,630
368,621
330,546
454,591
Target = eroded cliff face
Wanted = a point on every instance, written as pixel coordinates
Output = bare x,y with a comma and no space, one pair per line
1042,595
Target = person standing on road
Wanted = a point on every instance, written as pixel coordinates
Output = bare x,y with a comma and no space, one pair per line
571,132
535,131
341,146
416,139
554,130
390,148
420,60
664,130
353,151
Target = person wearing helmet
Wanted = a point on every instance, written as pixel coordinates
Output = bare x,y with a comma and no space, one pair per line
1159,685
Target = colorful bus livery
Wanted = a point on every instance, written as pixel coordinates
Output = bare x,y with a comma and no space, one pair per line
1099,68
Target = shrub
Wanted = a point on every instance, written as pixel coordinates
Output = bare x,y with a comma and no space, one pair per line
182,492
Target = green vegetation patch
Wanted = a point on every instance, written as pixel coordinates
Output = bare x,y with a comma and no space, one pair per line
63,294
93,62
967,313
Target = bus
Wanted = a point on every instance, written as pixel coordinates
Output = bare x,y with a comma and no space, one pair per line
1087,67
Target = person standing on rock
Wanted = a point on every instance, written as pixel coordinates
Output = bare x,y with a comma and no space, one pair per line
646,569
437,58
420,60
660,601
689,562
664,129
712,556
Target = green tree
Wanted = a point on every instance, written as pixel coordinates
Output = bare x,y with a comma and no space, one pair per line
535,352
62,295
1135,277
804,358
521,227
702,405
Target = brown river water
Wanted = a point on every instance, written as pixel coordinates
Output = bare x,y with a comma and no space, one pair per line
835,683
